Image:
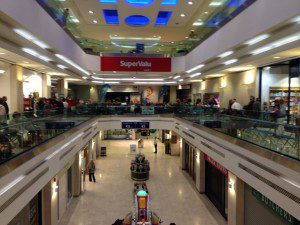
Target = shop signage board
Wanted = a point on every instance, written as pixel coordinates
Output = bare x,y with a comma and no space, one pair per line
135,64
274,207
135,125
216,165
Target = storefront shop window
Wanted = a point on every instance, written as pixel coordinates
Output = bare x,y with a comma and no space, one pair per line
280,91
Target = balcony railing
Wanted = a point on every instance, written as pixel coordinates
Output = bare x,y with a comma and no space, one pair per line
19,133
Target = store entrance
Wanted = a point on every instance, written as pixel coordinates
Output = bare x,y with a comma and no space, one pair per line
215,187
190,160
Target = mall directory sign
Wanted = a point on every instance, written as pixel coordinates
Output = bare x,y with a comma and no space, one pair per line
135,64
135,125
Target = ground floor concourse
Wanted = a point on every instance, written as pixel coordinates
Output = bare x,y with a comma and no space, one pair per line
173,196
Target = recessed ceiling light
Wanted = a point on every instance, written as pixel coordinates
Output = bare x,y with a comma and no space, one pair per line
91,12
230,62
182,15
276,57
180,80
206,12
2,71
172,42
186,37
198,23
25,62
176,77
2,53
190,3
215,4
257,39
225,54
195,68
95,21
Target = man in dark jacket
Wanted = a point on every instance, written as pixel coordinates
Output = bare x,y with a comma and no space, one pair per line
92,169
5,104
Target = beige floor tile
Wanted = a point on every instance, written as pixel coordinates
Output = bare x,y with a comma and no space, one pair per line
172,194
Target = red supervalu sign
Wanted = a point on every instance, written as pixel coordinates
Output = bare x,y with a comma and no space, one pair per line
134,64
216,165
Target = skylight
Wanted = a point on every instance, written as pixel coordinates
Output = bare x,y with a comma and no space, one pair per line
139,3
169,2
113,2
163,18
111,16
137,20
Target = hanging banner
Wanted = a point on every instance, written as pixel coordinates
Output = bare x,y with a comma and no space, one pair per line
216,165
134,64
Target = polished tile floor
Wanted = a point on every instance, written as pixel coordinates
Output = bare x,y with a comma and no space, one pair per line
172,193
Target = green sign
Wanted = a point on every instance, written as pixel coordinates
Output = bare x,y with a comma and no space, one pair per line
274,207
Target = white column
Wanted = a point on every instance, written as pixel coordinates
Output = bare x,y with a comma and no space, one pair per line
94,95
62,87
235,200
15,95
46,86
200,171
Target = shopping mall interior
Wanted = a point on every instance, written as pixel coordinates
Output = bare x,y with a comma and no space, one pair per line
149,112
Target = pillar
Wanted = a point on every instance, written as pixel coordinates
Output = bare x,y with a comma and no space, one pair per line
94,96
235,200
173,94
46,204
46,86
76,175
200,172
62,87
15,95
182,155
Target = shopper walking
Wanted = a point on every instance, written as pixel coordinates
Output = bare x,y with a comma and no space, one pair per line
92,169
155,145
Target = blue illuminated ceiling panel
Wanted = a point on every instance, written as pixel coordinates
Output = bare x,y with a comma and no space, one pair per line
112,2
137,20
163,18
111,16
216,20
235,3
139,3
169,2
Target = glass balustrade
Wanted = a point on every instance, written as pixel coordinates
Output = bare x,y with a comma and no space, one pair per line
20,132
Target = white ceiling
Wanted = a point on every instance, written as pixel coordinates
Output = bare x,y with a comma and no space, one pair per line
177,29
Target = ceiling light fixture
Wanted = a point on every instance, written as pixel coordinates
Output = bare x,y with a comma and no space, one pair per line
276,57
216,4
195,75
91,12
277,44
190,3
239,69
31,38
36,54
95,21
168,82
157,38
257,39
2,71
225,54
61,66
176,77
182,15
230,62
195,68
65,59
180,80
198,23
128,79
2,53
97,82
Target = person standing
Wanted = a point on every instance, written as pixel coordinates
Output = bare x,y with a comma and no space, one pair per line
6,105
92,169
2,111
155,145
